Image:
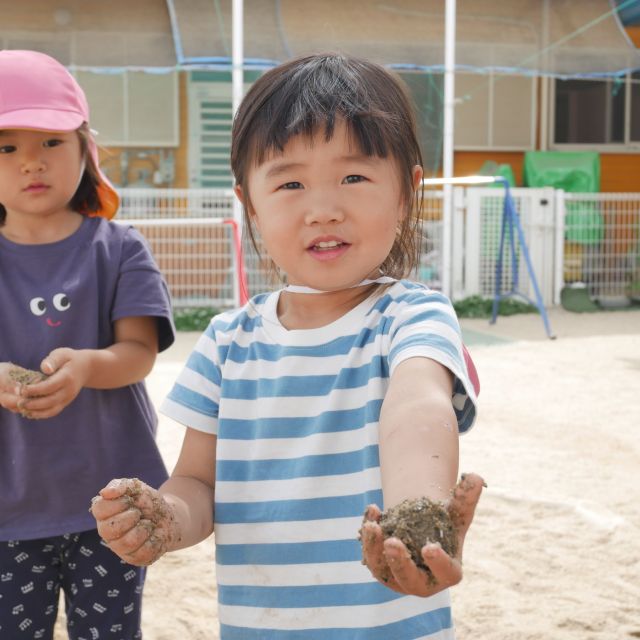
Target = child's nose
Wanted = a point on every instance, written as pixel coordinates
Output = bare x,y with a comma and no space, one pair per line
32,163
324,210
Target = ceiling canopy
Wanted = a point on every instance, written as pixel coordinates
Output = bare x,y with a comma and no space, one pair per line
565,38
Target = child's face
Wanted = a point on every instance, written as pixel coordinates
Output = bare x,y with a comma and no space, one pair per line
39,171
327,214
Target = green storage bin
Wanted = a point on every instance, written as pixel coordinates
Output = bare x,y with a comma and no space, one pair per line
575,172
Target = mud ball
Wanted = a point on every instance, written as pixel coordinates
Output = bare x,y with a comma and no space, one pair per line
418,522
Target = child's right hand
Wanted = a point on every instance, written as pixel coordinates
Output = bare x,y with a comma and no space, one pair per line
135,521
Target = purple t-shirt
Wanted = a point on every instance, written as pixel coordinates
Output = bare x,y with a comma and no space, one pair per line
69,294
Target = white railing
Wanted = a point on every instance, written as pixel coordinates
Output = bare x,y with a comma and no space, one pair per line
602,245
588,238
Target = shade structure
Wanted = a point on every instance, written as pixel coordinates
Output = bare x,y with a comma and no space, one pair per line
562,38
566,38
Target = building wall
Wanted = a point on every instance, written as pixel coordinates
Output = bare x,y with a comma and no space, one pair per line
44,15
618,171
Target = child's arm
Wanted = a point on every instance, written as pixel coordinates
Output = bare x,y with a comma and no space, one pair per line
419,457
140,524
418,433
129,359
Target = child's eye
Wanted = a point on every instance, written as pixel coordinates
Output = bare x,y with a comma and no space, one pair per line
7,148
291,185
53,142
352,179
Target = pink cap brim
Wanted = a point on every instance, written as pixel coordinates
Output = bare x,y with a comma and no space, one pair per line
50,120
41,120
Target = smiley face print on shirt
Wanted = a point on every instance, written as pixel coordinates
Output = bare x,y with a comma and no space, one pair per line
51,310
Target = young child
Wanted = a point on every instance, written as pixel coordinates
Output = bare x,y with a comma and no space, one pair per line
82,301
311,405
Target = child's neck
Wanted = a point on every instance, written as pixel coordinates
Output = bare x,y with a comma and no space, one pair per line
304,311
42,230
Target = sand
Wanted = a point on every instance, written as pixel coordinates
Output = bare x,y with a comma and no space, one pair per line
554,552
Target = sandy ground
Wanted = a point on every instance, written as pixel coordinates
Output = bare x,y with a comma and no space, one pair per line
554,553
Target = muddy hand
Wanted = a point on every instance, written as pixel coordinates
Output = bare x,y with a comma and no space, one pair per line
134,520
462,504
390,561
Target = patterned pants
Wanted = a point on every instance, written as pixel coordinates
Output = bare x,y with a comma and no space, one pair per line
102,593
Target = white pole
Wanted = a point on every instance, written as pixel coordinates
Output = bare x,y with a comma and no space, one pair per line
544,81
447,143
237,54
237,89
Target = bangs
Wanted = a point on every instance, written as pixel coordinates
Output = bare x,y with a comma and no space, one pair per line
314,97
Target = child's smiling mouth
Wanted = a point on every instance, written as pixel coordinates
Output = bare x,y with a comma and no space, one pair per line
327,248
323,246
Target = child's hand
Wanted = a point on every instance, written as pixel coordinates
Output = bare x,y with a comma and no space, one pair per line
390,562
9,398
67,371
135,521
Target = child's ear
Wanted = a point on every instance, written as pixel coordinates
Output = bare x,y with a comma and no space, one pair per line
244,202
416,176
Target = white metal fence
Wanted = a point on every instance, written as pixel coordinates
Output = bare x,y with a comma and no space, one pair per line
192,248
588,238
602,245
540,221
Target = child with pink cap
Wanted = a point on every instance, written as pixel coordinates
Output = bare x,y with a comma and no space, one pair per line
82,302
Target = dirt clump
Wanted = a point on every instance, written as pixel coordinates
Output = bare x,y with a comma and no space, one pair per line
26,376
418,522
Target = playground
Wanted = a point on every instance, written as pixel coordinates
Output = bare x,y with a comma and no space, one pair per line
546,97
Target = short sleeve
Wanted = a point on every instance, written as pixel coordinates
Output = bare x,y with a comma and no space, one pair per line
194,399
141,289
425,325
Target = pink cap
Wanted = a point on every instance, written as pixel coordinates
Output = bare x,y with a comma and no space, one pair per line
37,92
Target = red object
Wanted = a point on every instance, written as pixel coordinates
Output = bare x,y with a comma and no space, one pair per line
471,370
242,274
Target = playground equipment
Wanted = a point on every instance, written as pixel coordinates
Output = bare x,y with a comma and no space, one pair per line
510,227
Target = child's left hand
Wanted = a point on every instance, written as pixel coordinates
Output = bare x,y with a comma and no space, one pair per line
67,371
390,562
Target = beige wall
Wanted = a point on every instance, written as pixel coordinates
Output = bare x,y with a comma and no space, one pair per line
94,15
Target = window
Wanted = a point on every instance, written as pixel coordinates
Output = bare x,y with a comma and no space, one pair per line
495,111
210,120
133,109
602,113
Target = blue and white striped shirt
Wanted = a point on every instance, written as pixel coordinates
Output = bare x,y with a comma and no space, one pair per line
296,416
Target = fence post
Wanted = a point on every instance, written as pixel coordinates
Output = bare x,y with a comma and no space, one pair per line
457,241
558,263
472,242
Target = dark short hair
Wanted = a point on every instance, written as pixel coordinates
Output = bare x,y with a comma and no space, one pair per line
86,199
309,94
